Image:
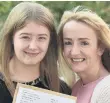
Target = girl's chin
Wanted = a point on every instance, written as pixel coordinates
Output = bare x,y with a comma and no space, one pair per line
30,63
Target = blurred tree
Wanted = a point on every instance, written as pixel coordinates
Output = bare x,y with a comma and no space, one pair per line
102,8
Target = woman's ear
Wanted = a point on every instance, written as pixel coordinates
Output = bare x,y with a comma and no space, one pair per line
101,50
106,59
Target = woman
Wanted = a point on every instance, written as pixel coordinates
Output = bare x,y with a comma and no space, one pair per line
84,40
29,51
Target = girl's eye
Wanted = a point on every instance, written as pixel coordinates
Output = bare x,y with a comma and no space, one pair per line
25,37
42,38
84,43
67,43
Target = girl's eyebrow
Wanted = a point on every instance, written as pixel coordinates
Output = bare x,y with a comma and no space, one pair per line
25,34
31,34
43,35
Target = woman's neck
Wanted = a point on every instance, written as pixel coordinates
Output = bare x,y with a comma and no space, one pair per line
23,73
91,76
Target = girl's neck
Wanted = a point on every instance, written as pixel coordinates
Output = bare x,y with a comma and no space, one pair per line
23,73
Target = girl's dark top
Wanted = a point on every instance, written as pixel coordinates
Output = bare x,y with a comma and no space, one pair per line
5,96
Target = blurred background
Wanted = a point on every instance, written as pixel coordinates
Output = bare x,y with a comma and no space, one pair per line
102,8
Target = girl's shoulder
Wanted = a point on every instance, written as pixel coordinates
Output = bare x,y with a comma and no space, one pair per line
101,93
5,96
64,88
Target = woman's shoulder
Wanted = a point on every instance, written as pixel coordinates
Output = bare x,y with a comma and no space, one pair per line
64,88
101,93
105,82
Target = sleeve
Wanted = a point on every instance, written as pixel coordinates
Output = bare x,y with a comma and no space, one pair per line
104,96
101,93
5,96
64,88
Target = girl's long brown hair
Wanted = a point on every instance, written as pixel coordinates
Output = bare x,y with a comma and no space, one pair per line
17,19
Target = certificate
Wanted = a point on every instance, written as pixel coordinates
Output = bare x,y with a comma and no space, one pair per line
30,94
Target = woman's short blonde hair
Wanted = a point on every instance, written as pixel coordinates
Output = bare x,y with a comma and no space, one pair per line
82,14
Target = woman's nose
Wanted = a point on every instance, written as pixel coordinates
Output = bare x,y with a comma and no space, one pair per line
75,49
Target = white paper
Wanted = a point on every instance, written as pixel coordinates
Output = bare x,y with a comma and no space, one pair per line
27,95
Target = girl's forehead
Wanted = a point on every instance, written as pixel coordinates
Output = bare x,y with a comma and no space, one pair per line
34,28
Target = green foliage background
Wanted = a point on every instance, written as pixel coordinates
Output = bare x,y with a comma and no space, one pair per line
102,8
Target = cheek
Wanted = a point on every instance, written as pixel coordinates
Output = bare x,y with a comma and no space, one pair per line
66,52
45,46
17,43
18,46
92,54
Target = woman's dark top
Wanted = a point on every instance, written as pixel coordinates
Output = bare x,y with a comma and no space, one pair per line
5,96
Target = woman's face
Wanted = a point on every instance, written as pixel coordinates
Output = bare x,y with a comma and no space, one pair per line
31,43
80,47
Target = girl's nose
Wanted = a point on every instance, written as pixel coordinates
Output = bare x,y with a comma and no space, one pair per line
33,45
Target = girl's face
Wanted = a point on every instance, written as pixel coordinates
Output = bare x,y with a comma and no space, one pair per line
31,43
81,47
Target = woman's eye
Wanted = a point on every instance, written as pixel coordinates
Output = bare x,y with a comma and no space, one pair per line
67,43
84,43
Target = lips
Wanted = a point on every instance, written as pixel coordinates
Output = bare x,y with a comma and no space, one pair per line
77,59
31,53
